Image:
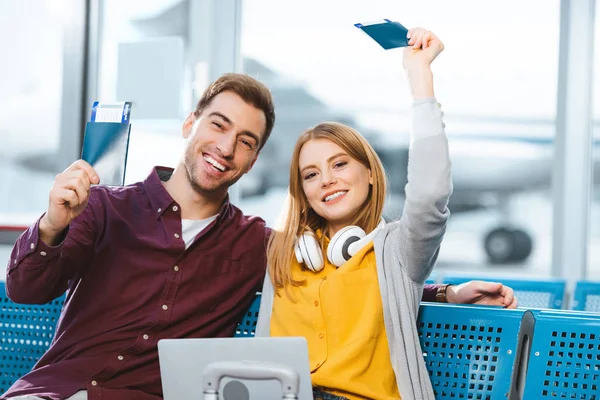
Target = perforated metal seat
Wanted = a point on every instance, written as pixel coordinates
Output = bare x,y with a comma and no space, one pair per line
587,296
247,326
565,356
26,332
470,352
473,352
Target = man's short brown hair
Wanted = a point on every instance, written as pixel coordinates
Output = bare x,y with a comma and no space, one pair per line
250,90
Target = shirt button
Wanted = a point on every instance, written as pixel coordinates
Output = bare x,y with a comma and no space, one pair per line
32,246
120,358
94,383
159,210
146,337
15,262
42,253
176,236
324,278
321,335
176,268
439,105
165,307
175,208
316,303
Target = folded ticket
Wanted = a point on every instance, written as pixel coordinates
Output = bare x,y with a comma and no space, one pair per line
111,112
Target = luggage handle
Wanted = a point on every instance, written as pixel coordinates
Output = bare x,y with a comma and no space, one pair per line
253,370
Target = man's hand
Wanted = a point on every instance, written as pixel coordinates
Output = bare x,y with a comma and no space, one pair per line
484,293
68,198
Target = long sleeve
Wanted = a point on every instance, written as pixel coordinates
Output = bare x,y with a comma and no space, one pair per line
407,249
419,232
429,292
38,273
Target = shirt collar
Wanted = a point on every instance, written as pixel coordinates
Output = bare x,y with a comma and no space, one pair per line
161,200
321,236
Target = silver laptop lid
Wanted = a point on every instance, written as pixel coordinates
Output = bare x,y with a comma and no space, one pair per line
184,372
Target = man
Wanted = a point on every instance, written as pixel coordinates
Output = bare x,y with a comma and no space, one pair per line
168,257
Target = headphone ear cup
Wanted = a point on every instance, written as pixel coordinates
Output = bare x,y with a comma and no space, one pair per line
298,252
337,251
310,252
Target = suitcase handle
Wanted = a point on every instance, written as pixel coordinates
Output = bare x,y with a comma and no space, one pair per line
254,370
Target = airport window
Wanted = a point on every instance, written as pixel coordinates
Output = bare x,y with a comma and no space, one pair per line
30,107
142,59
594,247
499,103
35,142
498,95
160,55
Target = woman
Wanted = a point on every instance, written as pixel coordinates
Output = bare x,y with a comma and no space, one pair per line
357,305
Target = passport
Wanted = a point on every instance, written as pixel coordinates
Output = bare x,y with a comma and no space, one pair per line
106,142
386,33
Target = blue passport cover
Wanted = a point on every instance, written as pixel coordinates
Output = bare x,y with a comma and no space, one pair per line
105,148
387,34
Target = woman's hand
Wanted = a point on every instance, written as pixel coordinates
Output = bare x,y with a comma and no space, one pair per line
425,47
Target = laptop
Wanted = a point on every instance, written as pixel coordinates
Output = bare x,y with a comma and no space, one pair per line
184,373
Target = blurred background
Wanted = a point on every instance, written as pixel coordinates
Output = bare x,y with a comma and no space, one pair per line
519,83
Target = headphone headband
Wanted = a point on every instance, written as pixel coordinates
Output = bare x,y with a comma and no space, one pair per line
356,245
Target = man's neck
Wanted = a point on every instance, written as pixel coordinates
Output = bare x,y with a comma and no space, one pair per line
193,204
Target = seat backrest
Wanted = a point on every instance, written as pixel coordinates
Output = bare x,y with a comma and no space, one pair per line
26,332
586,296
473,352
247,326
547,294
564,360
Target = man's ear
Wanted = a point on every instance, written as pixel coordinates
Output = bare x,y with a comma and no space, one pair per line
186,129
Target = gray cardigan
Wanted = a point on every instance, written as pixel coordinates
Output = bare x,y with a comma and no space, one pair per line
406,250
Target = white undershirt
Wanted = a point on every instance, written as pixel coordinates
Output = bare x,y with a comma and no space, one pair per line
190,228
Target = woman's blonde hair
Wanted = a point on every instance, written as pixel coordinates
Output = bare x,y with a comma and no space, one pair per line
297,216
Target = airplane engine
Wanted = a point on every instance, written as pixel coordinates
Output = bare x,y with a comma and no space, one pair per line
507,245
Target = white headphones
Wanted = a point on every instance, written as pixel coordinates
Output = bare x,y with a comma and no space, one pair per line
342,246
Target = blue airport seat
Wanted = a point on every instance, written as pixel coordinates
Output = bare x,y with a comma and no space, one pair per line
547,294
247,326
564,360
26,332
586,296
473,352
